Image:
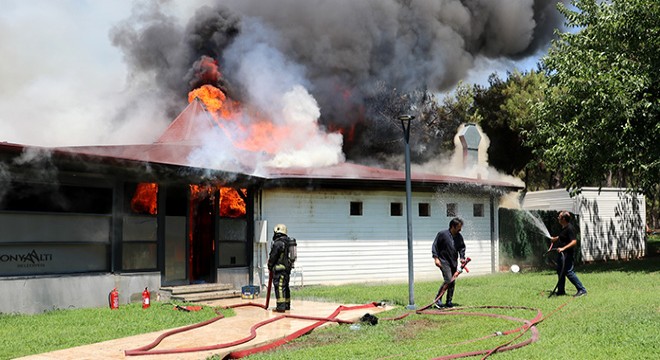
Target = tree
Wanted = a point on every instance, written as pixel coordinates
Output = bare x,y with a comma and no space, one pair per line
505,109
457,108
379,136
598,124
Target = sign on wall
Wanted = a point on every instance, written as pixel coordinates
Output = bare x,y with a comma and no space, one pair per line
52,258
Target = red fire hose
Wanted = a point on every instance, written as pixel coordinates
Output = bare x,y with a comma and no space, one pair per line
148,349
446,286
527,325
299,333
265,306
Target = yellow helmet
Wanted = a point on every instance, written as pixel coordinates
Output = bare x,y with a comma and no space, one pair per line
280,228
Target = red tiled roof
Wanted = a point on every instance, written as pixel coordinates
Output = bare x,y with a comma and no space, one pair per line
192,124
353,171
186,133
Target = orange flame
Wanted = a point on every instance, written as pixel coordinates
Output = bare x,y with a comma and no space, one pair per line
261,134
231,204
145,199
216,101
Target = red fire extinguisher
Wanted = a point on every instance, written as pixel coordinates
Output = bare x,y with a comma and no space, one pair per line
113,299
146,298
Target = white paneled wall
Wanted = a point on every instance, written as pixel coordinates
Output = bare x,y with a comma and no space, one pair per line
335,247
612,221
610,225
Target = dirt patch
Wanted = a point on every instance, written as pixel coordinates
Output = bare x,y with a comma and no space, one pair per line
407,330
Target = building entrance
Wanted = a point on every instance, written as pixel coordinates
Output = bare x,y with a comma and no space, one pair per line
201,235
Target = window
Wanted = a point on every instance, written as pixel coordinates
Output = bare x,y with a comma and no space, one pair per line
424,209
54,198
233,243
478,210
50,228
140,227
396,209
452,209
356,208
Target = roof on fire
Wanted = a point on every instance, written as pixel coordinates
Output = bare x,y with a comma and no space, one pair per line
184,136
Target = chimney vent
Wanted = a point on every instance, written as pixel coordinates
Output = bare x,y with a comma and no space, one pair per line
470,139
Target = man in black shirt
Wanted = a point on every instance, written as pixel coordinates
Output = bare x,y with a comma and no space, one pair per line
566,242
447,247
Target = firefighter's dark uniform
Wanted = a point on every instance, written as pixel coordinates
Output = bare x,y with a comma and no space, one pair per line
278,263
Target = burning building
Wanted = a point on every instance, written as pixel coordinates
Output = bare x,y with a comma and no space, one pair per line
197,204
78,221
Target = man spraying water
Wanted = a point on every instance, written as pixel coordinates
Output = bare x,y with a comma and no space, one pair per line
565,243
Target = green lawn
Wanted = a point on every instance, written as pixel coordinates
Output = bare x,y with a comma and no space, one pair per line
22,335
618,319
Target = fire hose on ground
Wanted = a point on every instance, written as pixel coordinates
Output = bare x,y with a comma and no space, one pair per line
527,325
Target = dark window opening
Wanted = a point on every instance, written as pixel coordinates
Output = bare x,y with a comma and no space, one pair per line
478,210
140,227
396,209
424,209
51,228
452,209
56,198
176,201
356,208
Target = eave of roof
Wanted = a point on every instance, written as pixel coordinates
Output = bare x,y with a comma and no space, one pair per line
356,172
194,124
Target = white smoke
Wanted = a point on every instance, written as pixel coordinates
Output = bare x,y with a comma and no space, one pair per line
454,165
218,150
63,83
274,87
308,145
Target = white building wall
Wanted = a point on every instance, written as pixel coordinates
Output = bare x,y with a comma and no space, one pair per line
612,224
558,199
36,294
611,220
335,247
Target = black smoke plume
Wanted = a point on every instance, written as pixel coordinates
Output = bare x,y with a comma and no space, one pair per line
354,57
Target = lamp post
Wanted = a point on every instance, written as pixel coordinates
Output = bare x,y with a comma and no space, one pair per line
405,125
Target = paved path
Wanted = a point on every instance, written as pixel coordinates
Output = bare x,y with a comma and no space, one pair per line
222,331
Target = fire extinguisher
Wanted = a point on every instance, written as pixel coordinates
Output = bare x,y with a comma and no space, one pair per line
146,298
113,299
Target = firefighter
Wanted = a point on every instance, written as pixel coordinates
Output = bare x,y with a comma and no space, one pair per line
280,265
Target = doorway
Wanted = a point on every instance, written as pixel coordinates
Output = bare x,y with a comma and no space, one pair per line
201,236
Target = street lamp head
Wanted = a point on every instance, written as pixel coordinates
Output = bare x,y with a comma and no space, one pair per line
406,117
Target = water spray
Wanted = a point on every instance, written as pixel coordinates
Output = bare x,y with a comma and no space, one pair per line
538,223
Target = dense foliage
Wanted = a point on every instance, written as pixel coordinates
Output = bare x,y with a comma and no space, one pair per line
522,242
505,115
589,115
598,124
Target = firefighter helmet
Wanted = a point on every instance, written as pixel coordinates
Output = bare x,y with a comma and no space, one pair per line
280,228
